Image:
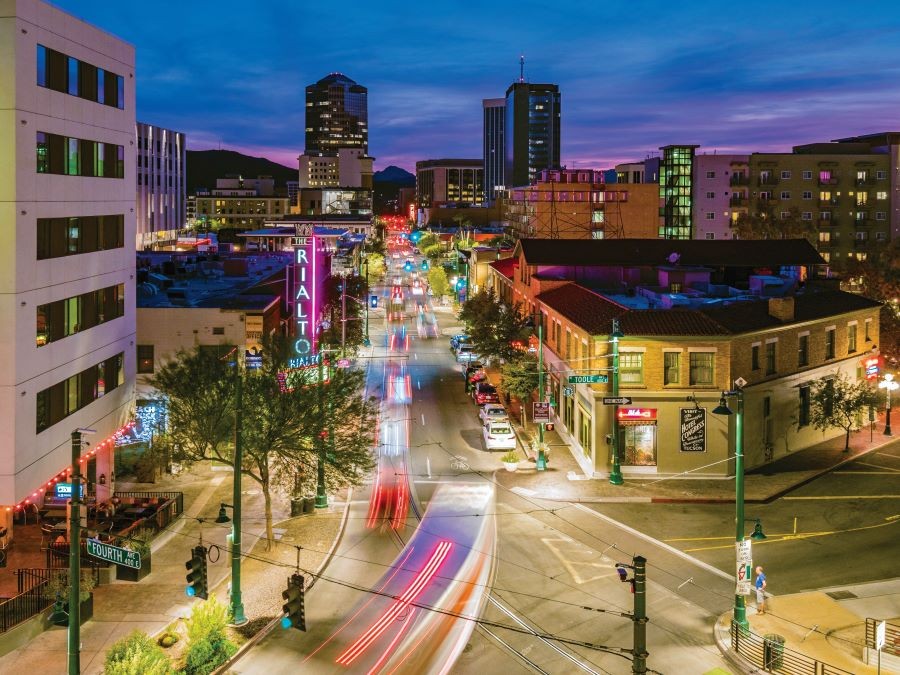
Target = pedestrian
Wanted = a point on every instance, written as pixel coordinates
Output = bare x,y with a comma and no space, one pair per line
760,590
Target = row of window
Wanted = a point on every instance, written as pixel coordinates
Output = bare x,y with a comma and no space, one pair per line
65,398
859,216
803,348
59,319
78,157
701,368
60,237
67,74
824,175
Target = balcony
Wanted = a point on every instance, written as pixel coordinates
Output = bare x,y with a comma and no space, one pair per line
739,179
767,180
828,203
862,222
737,200
829,222
868,180
860,244
833,180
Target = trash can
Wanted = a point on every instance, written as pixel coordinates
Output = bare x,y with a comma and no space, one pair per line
773,651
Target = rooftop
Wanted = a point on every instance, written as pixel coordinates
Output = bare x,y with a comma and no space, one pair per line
725,252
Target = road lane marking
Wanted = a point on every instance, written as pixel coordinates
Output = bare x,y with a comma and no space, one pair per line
878,466
570,565
886,472
646,537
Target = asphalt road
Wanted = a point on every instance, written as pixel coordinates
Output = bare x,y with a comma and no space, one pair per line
842,528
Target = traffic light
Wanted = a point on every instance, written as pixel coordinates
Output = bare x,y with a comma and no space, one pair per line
294,611
198,583
373,301
425,265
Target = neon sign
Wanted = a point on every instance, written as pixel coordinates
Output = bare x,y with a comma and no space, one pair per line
871,365
637,413
305,295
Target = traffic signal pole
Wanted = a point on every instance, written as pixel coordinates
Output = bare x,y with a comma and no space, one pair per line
74,629
639,663
238,617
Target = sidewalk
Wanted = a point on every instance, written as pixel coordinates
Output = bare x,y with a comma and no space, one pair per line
151,604
564,480
839,636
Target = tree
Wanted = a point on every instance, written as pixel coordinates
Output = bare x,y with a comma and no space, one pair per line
437,279
519,378
765,225
493,326
837,402
333,309
376,267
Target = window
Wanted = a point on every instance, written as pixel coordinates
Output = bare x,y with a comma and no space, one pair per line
145,358
828,402
710,174
77,391
78,157
58,237
829,343
881,175
851,338
803,416
803,351
807,195
785,194
710,195
710,215
770,357
862,198
881,236
881,195
825,215
807,175
631,368
701,368
62,318
880,215
825,176
785,215
710,235
70,76
671,368
785,175
806,215
568,353
754,357
868,325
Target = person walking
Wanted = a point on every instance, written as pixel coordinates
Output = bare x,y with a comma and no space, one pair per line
760,590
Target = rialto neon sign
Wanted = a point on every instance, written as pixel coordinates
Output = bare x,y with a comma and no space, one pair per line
305,295
637,413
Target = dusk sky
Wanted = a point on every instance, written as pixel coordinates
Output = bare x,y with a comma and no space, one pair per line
633,76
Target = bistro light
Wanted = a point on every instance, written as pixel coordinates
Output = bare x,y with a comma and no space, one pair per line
722,408
102,479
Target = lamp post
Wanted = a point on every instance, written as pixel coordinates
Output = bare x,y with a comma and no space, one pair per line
615,476
740,607
321,495
541,464
74,629
238,618
888,384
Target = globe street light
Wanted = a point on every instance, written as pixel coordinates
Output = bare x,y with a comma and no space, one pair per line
888,384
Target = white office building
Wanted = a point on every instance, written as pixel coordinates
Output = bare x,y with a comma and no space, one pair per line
67,266
161,174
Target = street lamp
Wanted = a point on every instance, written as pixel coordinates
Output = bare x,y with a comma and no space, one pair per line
615,476
740,607
888,384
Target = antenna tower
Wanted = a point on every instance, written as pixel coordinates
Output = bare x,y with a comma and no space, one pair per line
522,68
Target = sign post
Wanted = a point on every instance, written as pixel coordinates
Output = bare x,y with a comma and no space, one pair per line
744,566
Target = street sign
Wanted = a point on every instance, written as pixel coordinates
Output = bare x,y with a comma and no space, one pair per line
588,379
616,400
114,554
540,412
744,566
880,635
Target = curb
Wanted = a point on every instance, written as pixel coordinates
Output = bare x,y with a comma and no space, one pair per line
252,642
722,637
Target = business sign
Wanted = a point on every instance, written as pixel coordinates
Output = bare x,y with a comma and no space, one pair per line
540,412
693,429
640,414
303,375
64,490
252,359
743,573
114,554
871,365
305,295
253,331
588,379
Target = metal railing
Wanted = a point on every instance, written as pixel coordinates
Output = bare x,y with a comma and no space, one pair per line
58,556
891,635
177,496
23,606
773,657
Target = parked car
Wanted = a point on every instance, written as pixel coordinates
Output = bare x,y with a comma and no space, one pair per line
499,436
457,340
466,354
485,393
492,412
475,376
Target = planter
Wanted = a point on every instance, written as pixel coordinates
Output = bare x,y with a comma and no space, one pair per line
511,466
86,612
309,505
296,507
130,574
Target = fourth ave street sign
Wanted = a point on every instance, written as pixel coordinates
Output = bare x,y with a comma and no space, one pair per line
114,554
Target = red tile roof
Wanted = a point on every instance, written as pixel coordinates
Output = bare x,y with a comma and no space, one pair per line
506,266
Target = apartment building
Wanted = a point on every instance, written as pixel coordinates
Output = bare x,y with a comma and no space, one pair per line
720,187
239,203
161,173
705,314
67,90
449,181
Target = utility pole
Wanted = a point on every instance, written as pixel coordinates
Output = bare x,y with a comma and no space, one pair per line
615,476
639,662
74,630
238,617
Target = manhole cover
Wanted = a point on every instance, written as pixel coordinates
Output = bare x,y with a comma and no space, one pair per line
841,595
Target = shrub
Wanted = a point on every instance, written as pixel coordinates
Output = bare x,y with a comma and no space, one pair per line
207,654
207,621
167,639
136,654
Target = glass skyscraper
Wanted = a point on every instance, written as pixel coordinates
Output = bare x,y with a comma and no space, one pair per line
494,118
531,132
337,115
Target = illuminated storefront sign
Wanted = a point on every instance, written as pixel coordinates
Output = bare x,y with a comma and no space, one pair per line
64,490
305,295
639,414
871,366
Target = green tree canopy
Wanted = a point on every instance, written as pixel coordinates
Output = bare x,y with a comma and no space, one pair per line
494,326
837,402
765,224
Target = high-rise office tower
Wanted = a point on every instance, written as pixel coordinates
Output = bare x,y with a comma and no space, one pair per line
161,173
337,115
67,201
494,118
531,131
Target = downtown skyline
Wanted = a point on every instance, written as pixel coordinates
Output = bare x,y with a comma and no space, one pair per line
631,78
